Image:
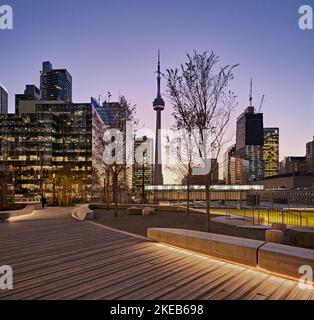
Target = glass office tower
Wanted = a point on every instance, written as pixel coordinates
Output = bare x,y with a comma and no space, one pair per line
250,142
50,149
271,152
55,84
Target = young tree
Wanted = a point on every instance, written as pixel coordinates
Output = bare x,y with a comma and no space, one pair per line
117,161
63,182
182,167
203,106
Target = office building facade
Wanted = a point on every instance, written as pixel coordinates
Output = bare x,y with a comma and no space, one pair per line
3,100
55,84
271,152
31,93
239,171
50,150
310,156
143,164
293,165
250,143
229,154
114,116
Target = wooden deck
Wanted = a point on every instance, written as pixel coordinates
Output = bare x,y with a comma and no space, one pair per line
56,257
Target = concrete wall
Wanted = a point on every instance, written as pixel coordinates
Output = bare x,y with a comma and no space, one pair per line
220,226
275,258
295,236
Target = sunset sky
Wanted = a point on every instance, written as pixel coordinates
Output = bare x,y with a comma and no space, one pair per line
112,46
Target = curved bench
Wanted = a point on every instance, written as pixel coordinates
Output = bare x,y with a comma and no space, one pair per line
5,215
82,212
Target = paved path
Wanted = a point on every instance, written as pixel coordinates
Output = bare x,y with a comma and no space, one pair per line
56,257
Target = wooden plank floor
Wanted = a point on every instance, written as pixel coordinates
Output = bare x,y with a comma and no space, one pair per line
56,257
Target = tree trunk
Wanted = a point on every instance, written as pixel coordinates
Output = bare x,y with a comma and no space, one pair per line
188,196
208,200
107,197
115,195
207,207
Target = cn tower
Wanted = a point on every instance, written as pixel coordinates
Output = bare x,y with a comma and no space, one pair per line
159,105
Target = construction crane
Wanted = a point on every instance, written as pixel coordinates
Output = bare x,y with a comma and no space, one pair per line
262,101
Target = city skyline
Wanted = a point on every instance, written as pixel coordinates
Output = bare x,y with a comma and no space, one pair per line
158,151
280,69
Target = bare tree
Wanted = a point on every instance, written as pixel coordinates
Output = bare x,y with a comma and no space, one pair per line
182,168
118,170
203,106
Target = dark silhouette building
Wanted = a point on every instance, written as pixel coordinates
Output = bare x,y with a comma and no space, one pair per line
310,156
293,165
31,93
250,142
55,84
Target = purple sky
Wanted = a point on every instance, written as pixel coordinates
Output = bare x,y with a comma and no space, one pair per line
112,46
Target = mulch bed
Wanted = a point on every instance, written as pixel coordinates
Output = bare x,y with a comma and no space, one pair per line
139,224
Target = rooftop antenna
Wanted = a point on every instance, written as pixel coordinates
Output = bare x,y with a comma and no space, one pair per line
159,75
251,92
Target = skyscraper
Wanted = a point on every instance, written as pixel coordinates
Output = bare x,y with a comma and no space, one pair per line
55,84
112,115
3,100
310,156
271,152
250,141
229,154
142,172
159,106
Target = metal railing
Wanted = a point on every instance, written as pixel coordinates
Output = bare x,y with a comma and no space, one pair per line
267,217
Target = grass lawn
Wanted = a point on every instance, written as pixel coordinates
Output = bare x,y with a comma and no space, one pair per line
273,216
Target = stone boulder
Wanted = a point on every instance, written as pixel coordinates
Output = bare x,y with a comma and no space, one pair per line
274,236
134,211
279,226
147,211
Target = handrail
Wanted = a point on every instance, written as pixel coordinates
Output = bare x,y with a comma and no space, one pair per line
267,217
